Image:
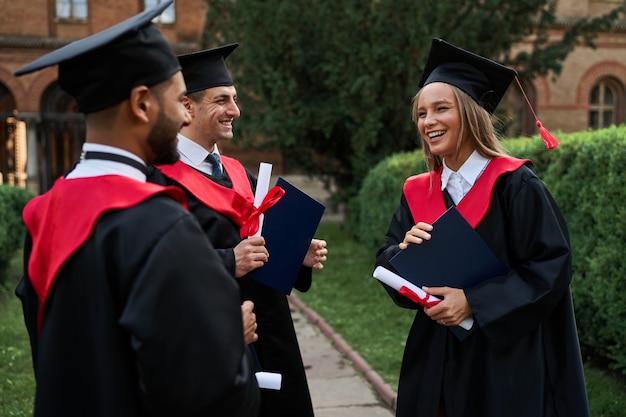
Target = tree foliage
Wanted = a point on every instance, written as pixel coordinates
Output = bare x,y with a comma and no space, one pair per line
329,83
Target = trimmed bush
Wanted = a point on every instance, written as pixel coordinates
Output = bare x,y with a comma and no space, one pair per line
380,195
586,177
12,202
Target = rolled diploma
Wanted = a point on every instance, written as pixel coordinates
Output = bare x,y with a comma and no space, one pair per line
395,281
262,186
269,380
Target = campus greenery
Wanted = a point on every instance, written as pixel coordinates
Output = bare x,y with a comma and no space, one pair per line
17,382
12,201
329,83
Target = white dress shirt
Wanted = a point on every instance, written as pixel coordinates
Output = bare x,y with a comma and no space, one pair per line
458,183
195,155
98,167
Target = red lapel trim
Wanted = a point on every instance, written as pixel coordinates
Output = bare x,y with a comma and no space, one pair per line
236,203
427,203
55,238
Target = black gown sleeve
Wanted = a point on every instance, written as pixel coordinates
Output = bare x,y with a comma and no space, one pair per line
203,349
401,222
535,244
30,303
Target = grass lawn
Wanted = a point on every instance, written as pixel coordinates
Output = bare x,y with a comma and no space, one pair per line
344,294
17,383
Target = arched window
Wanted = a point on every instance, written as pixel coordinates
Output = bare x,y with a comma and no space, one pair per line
61,134
606,104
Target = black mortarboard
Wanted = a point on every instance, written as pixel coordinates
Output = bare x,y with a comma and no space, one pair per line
101,70
206,69
482,79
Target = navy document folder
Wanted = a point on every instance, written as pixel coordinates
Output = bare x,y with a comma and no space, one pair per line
288,228
455,256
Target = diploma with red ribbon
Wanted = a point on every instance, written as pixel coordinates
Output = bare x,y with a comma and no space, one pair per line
253,224
413,292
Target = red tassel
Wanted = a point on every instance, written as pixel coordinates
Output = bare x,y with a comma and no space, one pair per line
550,141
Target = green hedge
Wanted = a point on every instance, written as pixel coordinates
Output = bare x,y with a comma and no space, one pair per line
586,176
12,202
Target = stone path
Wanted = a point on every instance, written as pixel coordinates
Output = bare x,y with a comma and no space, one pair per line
342,384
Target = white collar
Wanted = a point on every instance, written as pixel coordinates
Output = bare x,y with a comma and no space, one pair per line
191,152
99,167
469,171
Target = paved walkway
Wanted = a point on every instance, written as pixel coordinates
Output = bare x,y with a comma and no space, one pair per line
342,384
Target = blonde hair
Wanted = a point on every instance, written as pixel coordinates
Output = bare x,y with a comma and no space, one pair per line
476,125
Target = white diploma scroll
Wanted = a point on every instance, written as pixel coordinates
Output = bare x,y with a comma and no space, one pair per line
262,187
396,282
269,380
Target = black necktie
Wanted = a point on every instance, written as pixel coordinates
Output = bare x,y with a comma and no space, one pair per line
214,160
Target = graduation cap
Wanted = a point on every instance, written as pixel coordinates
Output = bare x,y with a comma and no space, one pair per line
207,69
101,70
482,79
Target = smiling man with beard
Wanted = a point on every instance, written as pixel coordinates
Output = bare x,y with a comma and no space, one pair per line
129,310
162,138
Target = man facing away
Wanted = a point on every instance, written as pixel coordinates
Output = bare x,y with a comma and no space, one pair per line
219,190
129,310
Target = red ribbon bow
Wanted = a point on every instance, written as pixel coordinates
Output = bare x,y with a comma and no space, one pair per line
411,295
252,224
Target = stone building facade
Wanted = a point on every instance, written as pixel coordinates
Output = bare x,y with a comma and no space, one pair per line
41,131
590,91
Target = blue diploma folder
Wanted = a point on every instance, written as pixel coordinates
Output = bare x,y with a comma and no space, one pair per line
455,256
288,228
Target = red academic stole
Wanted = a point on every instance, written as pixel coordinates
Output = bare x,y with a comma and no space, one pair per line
236,203
56,236
425,197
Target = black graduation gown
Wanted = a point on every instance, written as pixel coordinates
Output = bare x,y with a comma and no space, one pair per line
522,357
142,320
277,347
